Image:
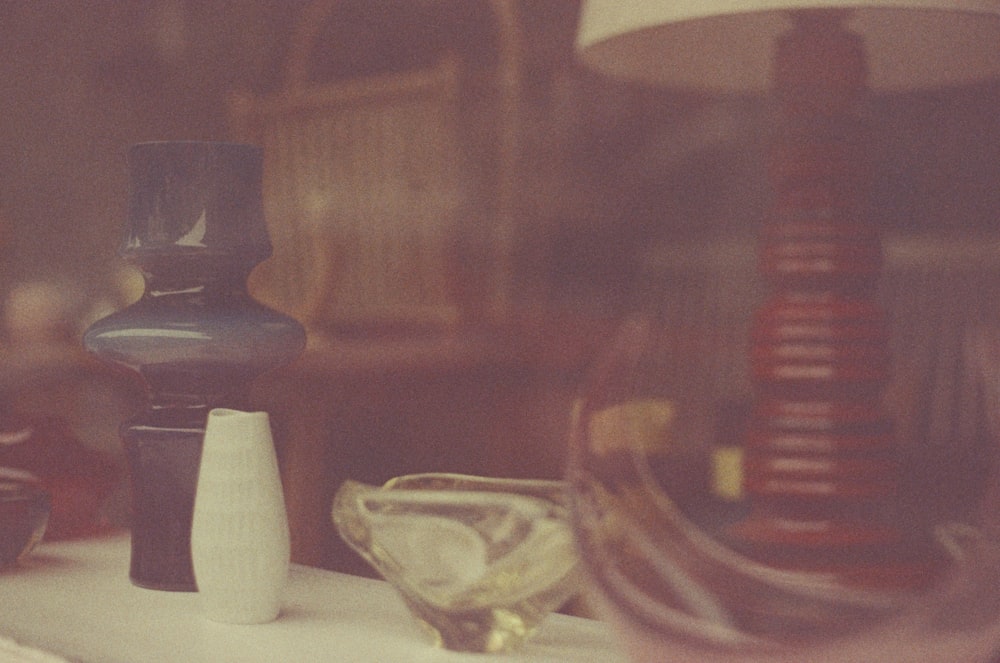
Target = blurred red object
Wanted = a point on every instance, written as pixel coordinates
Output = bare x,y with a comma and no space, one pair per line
78,479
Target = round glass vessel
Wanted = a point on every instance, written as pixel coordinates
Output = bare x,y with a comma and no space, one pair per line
788,452
710,541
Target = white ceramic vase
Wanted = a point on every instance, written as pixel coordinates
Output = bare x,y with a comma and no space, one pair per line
239,533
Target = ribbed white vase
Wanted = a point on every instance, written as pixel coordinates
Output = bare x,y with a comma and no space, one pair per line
239,532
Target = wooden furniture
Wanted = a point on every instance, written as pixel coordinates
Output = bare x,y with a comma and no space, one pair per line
389,195
74,600
370,409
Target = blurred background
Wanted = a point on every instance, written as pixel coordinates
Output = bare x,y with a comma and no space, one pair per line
601,167
542,198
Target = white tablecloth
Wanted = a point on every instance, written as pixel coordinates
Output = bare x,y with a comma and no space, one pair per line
74,599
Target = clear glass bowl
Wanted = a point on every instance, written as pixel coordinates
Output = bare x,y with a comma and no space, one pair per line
24,513
480,562
666,548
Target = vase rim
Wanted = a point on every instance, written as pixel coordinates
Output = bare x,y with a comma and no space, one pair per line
227,412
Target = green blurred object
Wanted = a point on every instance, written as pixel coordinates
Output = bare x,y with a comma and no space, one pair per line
24,514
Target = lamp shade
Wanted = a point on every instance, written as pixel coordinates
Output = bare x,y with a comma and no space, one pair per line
727,45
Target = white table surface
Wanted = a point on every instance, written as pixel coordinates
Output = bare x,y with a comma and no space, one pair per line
74,599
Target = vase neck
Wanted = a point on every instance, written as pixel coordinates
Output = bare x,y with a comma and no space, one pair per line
180,272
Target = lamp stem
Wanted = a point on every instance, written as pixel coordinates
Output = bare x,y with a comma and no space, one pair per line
820,472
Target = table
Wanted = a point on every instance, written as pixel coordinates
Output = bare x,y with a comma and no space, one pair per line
74,599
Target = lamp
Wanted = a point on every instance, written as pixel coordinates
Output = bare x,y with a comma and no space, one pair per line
817,568
819,464
728,45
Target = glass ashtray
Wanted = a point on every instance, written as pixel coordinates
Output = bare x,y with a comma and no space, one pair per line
24,514
480,562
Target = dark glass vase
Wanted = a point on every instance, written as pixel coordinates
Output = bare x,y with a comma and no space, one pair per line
196,229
